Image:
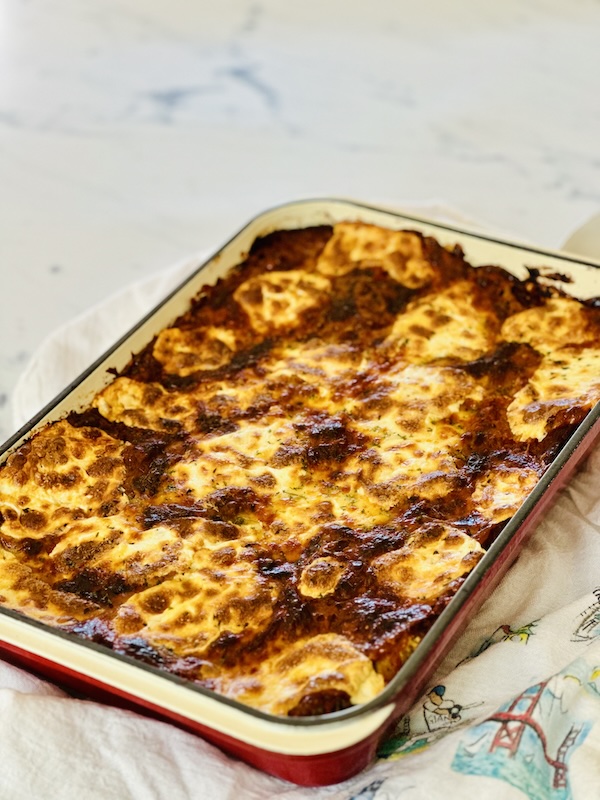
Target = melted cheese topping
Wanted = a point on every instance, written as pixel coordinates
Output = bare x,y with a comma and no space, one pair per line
444,325
432,558
21,588
326,662
278,299
59,475
192,610
417,434
399,253
567,380
499,492
559,322
320,577
142,405
183,352
275,499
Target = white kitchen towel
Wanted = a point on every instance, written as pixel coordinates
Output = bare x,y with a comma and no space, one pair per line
513,711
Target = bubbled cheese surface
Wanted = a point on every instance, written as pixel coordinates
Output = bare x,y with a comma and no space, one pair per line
277,497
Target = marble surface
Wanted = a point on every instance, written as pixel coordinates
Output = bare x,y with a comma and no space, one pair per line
134,133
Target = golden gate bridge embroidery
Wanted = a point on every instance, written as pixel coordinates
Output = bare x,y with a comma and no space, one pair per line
518,717
530,740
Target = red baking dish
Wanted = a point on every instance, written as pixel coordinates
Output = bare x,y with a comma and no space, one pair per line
332,747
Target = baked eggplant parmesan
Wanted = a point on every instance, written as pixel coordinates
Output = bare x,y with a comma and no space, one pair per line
280,493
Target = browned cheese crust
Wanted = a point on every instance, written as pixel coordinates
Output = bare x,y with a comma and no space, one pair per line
281,493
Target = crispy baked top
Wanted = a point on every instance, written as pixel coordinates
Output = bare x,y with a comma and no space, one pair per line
278,496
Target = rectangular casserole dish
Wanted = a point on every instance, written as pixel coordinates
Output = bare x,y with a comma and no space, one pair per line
331,747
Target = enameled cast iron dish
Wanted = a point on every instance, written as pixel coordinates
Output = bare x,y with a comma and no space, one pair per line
306,750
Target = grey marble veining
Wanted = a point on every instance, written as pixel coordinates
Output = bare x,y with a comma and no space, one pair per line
134,133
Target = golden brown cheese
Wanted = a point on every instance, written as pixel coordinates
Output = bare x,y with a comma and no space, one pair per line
430,560
447,324
183,352
187,613
277,300
61,474
399,253
557,322
417,434
281,492
499,492
327,663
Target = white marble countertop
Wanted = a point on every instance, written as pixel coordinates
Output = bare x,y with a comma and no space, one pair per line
132,134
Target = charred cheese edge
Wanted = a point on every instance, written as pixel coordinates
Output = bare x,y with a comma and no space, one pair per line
279,495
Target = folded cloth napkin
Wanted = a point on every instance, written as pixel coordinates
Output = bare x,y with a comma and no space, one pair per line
513,711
